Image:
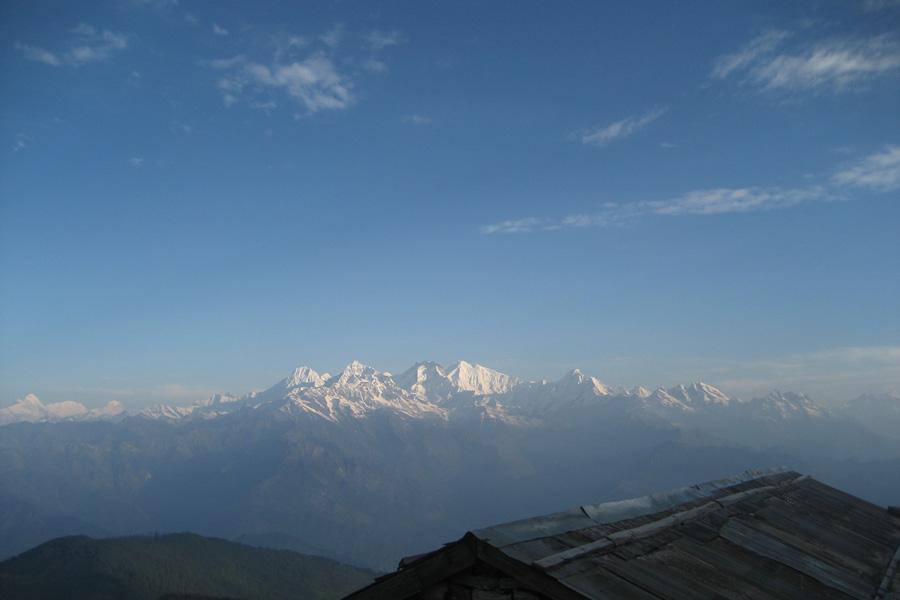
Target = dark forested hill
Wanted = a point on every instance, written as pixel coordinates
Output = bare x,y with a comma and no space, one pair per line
175,565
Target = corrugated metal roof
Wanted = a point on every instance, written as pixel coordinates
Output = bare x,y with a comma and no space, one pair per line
759,535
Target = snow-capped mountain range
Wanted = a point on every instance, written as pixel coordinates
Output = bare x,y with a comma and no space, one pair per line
460,391
412,458
31,409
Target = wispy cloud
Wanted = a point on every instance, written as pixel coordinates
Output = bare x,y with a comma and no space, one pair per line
38,54
161,5
827,65
21,142
515,226
620,129
379,40
135,161
333,37
311,70
720,201
219,30
87,45
314,82
879,171
706,202
874,354
373,65
374,43
873,5
749,54
417,119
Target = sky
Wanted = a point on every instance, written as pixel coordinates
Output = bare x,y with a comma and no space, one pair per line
196,197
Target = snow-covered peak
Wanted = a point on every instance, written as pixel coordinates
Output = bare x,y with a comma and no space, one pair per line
66,409
427,380
31,409
577,379
639,391
662,398
167,412
575,375
461,391
783,405
356,372
31,400
305,377
699,393
479,380
113,408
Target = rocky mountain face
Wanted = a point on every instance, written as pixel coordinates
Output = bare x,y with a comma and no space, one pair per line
368,466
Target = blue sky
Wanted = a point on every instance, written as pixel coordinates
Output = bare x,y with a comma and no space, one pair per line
196,197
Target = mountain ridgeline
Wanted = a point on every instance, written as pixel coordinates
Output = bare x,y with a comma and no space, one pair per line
365,466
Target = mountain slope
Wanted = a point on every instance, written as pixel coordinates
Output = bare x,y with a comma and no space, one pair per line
147,567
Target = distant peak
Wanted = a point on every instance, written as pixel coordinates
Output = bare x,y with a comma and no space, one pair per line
479,379
356,370
304,377
699,392
32,400
577,377
113,407
574,376
357,367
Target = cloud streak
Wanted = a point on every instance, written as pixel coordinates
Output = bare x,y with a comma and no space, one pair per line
314,82
878,172
705,202
88,45
417,119
318,79
873,5
379,40
620,129
523,225
831,65
749,54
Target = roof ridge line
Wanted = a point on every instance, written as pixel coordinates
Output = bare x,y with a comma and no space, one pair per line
626,536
